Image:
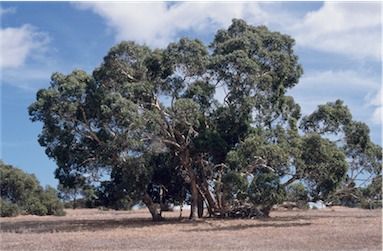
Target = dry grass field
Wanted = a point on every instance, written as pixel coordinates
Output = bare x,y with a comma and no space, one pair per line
91,229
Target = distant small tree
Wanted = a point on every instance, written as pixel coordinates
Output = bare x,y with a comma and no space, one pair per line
21,193
297,193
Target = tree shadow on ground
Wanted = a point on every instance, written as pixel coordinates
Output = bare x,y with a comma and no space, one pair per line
243,227
241,224
77,225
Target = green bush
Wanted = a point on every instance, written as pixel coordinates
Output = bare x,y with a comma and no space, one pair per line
51,202
21,193
266,191
9,209
35,207
297,193
123,204
370,204
234,187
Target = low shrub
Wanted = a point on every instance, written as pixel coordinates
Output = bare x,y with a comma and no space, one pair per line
9,209
21,193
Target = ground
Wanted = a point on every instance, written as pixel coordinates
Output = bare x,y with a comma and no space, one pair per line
333,228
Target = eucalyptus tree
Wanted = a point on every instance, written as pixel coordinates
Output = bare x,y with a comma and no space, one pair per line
155,115
333,121
115,120
256,120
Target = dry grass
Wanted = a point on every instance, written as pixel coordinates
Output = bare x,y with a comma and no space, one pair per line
324,229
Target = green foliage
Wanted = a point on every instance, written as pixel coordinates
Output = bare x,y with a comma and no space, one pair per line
374,190
365,204
51,202
9,209
266,190
364,159
324,165
149,117
22,194
235,187
328,118
125,187
297,193
36,207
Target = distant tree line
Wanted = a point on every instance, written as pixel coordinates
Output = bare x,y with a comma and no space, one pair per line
21,193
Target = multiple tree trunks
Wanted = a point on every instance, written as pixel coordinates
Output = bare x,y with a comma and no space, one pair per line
114,121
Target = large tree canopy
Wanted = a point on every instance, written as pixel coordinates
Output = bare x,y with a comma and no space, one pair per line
210,124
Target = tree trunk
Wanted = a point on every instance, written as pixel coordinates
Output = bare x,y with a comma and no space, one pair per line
192,180
211,203
75,200
200,205
153,208
266,211
194,195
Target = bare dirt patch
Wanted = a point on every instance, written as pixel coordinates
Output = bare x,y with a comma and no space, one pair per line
91,229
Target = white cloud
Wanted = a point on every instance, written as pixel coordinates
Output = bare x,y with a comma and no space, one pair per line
375,101
340,79
355,89
19,44
27,78
158,23
377,115
349,28
3,11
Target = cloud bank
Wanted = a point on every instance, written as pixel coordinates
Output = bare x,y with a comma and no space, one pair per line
375,101
352,29
361,92
158,23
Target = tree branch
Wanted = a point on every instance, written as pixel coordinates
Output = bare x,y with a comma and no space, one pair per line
172,143
291,180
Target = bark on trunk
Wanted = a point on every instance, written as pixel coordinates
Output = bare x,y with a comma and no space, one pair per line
187,165
153,208
211,203
200,205
266,211
194,195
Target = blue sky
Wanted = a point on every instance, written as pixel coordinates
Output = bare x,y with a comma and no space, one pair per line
338,43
